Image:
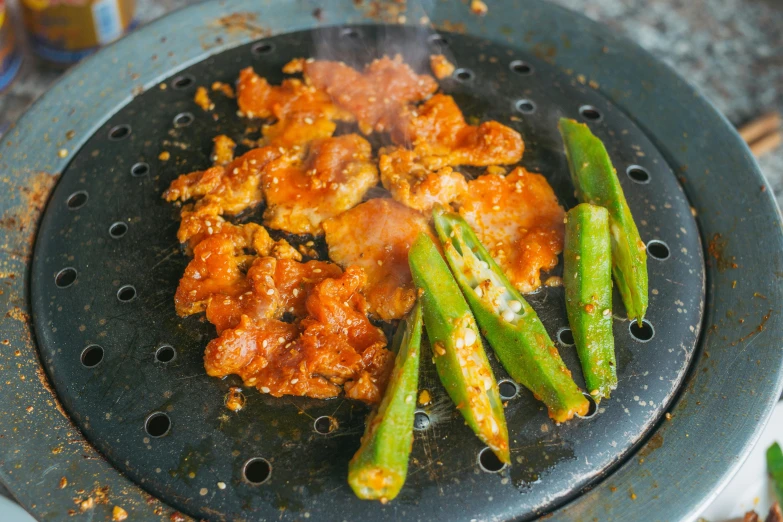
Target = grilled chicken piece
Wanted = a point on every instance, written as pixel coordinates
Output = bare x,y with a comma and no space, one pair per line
518,218
335,345
333,177
441,137
232,188
258,99
374,96
376,236
204,221
273,288
410,183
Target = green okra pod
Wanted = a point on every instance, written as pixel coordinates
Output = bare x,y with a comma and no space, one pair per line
587,277
462,365
509,323
775,468
377,471
596,182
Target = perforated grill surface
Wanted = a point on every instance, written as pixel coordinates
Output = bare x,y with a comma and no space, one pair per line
99,332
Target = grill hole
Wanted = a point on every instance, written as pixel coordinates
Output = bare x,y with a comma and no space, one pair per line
77,200
592,410
565,337
489,462
117,230
642,333
658,250
184,119
520,67
589,112
257,471
120,132
526,106
182,82
508,389
463,75
638,174
262,48
157,425
92,356
421,421
140,169
65,277
165,354
353,34
438,41
325,424
126,294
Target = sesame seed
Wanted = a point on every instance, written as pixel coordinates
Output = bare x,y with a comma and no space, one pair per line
271,291
264,389
294,381
607,312
221,485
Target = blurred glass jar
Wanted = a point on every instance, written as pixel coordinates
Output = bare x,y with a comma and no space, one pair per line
62,32
10,57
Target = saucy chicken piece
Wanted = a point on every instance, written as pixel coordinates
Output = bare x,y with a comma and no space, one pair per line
258,99
231,188
217,267
441,66
297,131
376,236
337,346
374,96
273,288
220,259
413,185
517,217
199,223
333,177
441,137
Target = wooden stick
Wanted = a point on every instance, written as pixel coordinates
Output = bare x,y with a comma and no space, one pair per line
761,126
766,143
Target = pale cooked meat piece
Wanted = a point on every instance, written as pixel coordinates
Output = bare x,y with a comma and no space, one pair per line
410,183
334,176
441,66
257,99
376,236
374,96
441,137
518,218
233,188
273,288
337,346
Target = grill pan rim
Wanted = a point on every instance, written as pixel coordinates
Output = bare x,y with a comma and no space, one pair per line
51,430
